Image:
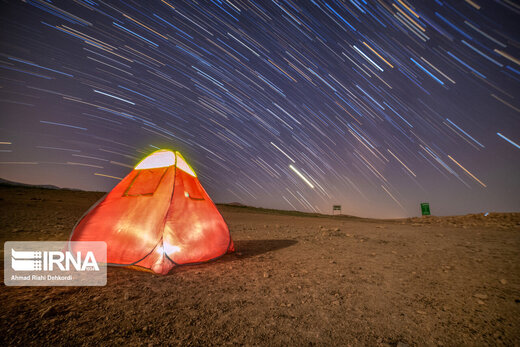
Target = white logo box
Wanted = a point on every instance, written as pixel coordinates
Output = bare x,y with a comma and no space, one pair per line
55,263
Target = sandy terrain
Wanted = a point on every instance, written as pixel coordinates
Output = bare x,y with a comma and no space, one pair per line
295,279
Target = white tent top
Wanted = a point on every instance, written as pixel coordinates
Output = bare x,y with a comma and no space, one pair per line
165,158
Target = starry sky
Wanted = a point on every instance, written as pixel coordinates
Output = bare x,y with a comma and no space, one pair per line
374,105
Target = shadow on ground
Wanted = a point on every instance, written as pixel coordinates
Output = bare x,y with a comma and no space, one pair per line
251,248
244,249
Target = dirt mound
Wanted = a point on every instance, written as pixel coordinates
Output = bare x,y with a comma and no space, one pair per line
500,220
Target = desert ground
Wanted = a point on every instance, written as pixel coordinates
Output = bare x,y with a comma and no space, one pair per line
295,279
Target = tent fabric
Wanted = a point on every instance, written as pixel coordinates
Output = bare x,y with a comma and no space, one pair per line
159,216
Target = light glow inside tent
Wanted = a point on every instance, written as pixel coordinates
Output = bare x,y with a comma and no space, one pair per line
161,158
157,217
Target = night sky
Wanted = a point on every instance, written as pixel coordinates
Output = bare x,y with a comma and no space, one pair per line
374,105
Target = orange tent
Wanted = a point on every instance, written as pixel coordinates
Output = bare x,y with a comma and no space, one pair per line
157,217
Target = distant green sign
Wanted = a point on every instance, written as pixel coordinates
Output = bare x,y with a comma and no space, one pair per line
425,208
336,208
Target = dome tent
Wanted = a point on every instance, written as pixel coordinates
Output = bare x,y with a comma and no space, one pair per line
159,216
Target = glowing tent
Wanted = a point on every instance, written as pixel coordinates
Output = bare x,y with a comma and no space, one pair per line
157,217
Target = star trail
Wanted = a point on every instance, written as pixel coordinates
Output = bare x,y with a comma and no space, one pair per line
374,105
